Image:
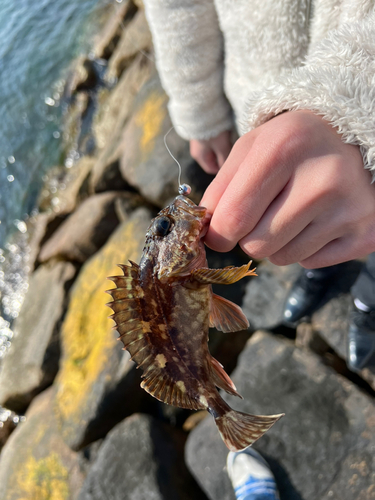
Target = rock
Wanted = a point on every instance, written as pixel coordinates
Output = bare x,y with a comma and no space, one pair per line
32,361
84,76
114,106
8,422
134,39
308,338
323,447
65,188
108,39
35,462
141,459
265,295
145,163
84,231
37,229
97,385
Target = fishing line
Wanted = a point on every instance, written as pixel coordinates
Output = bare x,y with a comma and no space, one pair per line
183,189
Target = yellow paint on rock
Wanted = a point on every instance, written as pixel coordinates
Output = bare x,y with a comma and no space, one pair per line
149,119
44,479
87,337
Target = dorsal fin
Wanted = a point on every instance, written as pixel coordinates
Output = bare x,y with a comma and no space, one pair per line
227,316
128,314
221,379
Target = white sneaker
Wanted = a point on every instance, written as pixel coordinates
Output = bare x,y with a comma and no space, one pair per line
251,476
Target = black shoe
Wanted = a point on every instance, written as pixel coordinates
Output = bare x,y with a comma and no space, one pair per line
306,295
361,340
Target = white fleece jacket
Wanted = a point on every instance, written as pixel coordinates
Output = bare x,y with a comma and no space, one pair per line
245,61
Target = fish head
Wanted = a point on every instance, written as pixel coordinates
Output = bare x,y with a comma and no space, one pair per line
174,239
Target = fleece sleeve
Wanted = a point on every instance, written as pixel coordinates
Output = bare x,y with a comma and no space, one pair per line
337,82
189,57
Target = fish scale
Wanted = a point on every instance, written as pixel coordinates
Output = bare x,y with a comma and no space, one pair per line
163,309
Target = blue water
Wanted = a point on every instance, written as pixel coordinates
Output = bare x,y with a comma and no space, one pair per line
38,40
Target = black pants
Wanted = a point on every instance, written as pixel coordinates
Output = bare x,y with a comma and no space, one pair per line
364,286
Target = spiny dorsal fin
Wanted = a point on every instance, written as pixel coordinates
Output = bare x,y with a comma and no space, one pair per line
227,316
127,312
221,379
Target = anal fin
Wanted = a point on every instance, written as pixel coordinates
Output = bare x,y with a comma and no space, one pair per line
227,316
221,379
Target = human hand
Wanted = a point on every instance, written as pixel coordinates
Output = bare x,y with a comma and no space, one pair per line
211,154
293,191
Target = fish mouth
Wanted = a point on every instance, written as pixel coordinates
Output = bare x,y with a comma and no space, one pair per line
196,211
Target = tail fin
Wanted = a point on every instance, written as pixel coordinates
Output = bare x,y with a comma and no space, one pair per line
239,430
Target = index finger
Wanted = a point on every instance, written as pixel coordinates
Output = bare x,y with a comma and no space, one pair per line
244,188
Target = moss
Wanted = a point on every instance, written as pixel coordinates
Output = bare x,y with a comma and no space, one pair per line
149,119
44,479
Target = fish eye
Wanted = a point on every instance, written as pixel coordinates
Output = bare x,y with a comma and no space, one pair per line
162,226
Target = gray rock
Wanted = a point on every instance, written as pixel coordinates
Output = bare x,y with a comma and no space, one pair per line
84,231
33,359
323,448
68,187
135,38
113,28
140,459
265,295
145,162
115,105
35,462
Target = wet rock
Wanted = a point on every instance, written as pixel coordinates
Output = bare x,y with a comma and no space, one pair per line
65,188
110,35
145,163
8,422
33,359
141,459
265,295
84,76
97,384
84,231
79,108
35,462
134,39
323,447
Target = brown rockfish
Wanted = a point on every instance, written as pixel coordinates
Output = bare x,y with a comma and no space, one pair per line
163,309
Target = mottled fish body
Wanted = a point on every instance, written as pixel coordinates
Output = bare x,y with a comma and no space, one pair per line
163,309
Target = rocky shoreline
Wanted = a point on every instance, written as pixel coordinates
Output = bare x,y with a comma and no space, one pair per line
90,431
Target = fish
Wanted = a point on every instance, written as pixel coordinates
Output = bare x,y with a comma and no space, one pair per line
163,308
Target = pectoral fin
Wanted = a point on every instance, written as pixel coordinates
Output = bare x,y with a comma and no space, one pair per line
227,316
225,276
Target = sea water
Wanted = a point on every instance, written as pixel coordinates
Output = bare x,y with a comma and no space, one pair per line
38,41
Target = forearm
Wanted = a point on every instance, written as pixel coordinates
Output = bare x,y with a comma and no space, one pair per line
189,56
